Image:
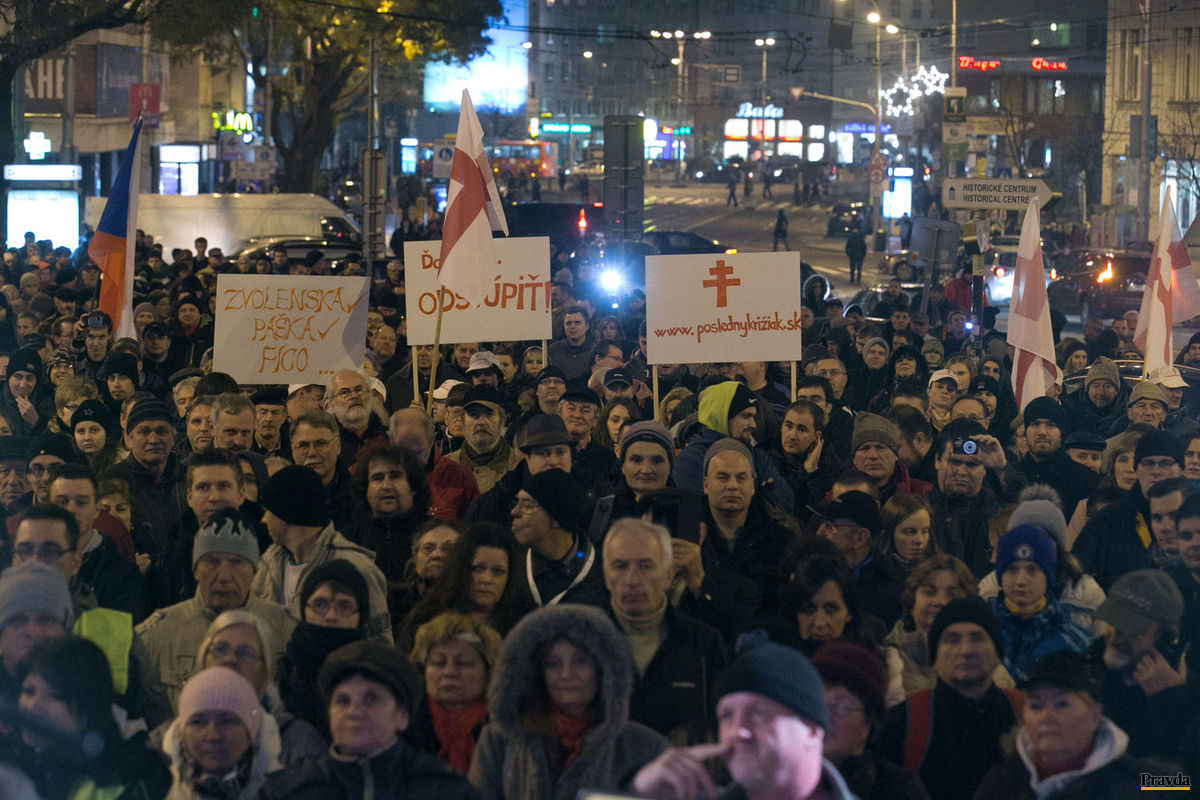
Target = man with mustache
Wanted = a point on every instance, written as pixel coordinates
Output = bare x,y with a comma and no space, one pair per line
153,472
484,450
349,400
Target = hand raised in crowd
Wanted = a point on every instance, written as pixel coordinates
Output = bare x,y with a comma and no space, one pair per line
689,565
813,459
27,409
679,773
990,452
1154,674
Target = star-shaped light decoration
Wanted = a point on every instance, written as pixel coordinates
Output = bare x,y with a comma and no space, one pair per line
899,98
930,80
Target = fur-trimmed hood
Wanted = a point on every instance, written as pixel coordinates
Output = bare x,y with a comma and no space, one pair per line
517,672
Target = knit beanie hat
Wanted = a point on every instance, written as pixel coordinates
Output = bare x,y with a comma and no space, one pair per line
120,364
873,428
222,689
1026,543
724,446
965,609
93,411
296,495
1046,408
1070,348
1102,369
225,532
34,587
147,411
859,670
648,431
1146,390
879,340
1040,506
25,360
1158,443
375,660
345,573
560,494
933,346
778,673
742,399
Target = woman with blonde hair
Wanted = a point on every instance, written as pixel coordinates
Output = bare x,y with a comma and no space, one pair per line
666,406
455,654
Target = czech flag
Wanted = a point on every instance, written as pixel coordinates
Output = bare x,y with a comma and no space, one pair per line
113,243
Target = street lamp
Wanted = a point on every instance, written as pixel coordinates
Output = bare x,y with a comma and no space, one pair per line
763,43
681,69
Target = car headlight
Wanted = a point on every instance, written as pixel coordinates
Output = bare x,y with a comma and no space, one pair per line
611,280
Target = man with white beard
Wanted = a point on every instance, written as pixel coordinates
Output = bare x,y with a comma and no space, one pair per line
349,400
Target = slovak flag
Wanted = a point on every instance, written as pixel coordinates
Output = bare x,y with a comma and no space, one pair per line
113,243
473,211
1034,367
1172,292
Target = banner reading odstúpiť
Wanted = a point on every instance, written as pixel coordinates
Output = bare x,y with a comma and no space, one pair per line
289,328
723,307
516,305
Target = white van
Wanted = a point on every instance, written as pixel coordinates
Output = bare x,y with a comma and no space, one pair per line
229,220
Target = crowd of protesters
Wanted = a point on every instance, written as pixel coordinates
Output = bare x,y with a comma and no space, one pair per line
888,583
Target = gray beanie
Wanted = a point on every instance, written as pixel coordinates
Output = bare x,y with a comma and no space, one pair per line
725,445
225,532
873,428
1102,369
34,587
648,431
1041,507
887,349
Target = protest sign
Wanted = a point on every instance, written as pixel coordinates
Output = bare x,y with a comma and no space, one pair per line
731,307
289,328
516,306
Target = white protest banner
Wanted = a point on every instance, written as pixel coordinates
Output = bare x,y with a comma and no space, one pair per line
731,307
289,328
516,306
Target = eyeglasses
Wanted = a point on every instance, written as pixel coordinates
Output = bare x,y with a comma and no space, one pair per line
38,470
304,447
1157,463
346,394
526,506
7,472
830,373
243,652
343,608
47,552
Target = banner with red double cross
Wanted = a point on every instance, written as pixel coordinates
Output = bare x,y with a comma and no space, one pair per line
732,307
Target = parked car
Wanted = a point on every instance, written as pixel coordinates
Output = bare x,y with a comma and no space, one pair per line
568,225
297,248
673,243
998,278
869,298
845,217
1102,284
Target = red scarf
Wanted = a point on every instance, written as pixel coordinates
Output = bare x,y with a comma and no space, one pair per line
571,731
455,731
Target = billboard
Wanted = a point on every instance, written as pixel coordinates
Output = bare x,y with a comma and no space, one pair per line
497,79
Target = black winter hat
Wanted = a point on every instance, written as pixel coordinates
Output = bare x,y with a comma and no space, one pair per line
778,673
25,360
1158,443
1066,669
376,661
51,444
120,364
965,609
1046,408
147,410
345,573
560,494
741,400
296,495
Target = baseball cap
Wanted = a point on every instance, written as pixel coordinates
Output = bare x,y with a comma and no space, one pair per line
483,360
859,507
1167,377
941,375
1140,599
551,372
443,390
580,395
484,395
618,375
155,329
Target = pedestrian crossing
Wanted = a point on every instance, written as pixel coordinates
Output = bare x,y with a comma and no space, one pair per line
712,201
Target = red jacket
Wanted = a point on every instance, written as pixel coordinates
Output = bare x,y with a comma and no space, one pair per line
452,487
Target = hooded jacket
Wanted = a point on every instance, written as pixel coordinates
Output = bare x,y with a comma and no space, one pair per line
713,415
510,760
266,759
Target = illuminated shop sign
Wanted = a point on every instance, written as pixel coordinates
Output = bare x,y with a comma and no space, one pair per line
751,111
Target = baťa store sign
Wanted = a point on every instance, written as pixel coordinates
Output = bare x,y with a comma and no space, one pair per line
750,111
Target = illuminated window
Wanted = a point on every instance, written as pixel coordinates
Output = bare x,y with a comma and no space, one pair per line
737,128
791,130
816,131
816,151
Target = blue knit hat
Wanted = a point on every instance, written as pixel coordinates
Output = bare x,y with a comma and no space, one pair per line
1026,543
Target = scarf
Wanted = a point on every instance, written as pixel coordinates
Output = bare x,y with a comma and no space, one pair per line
310,644
571,731
455,731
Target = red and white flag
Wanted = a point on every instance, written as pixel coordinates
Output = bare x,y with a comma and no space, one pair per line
472,212
1034,367
1172,293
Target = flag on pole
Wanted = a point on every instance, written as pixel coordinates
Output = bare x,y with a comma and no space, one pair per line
1034,367
1172,293
113,243
472,212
